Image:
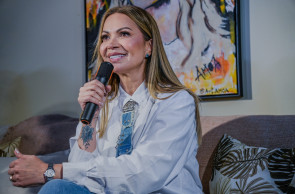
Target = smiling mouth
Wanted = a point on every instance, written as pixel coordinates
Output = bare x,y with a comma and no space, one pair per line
116,56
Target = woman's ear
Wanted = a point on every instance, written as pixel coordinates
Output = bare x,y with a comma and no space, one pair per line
149,46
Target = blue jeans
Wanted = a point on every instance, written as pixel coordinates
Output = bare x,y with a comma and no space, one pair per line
60,186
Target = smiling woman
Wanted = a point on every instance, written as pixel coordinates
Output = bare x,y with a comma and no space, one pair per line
146,131
124,46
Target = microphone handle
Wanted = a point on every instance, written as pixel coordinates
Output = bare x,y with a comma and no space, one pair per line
88,113
90,108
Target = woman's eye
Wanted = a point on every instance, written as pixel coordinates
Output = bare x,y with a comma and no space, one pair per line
125,34
104,37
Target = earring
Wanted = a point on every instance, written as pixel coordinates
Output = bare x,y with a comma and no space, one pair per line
147,56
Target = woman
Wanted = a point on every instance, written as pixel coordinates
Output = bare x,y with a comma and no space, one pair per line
148,146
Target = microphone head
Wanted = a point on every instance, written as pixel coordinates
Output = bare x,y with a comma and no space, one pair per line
104,72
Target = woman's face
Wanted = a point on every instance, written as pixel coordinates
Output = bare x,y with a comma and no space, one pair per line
123,45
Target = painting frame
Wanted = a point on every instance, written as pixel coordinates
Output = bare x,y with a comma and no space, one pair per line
239,84
202,72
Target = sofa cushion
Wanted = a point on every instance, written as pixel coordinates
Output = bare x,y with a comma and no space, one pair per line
238,168
42,134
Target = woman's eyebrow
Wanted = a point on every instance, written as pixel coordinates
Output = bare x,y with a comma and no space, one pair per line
124,28
120,29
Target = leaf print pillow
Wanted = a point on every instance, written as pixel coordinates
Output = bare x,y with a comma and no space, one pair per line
7,148
239,168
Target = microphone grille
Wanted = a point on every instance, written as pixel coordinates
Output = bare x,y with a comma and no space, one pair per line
105,70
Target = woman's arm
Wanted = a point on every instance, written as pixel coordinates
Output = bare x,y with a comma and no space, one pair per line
87,138
29,169
95,92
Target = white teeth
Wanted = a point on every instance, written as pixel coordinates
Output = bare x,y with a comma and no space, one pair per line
116,56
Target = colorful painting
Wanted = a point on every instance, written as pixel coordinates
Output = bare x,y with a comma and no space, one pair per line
200,38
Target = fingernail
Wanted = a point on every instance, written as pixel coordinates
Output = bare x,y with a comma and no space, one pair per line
16,150
100,104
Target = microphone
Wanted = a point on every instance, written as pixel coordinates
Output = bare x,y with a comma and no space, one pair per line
103,74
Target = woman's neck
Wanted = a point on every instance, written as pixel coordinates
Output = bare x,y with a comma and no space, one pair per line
130,85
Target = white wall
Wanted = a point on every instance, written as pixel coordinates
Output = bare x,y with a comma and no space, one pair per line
42,57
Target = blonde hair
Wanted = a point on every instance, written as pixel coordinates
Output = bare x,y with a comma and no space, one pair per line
159,75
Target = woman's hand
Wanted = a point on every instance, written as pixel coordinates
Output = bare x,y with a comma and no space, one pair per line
26,170
93,91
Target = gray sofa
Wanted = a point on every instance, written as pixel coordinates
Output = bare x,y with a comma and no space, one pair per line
257,130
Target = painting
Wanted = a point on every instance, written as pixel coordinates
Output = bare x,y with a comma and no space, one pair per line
201,39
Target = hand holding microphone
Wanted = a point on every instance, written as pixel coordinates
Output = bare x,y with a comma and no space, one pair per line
93,92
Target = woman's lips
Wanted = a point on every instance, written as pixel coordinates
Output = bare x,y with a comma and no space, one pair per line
115,58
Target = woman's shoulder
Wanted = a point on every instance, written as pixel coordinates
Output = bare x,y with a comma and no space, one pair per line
181,95
180,102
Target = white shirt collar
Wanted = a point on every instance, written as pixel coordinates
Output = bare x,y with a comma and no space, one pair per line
141,95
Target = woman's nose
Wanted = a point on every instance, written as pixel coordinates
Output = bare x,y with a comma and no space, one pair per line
112,43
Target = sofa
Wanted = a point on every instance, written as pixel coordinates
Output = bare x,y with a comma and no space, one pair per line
47,137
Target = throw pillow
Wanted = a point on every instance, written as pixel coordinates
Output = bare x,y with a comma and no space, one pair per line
7,148
238,168
43,134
